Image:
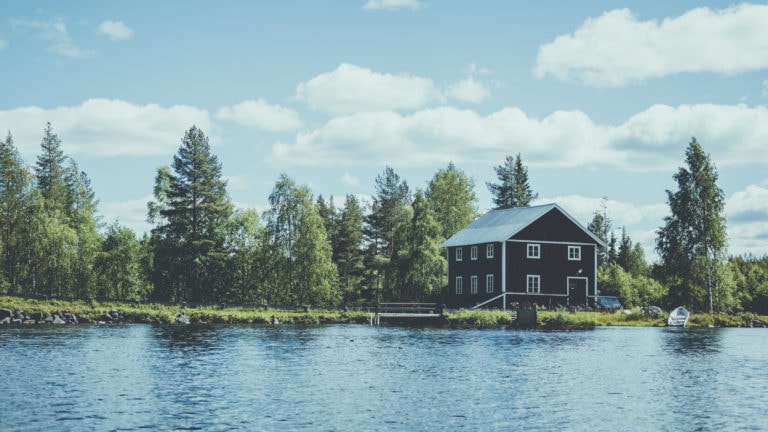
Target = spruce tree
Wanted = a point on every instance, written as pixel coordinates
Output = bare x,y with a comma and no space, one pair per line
513,189
191,209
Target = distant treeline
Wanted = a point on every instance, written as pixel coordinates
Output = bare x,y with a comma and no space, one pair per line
304,250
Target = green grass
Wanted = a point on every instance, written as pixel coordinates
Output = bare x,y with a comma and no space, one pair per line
90,311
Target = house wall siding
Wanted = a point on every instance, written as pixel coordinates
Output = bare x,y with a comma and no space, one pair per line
554,232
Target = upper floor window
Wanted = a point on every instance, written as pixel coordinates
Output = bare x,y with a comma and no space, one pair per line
533,284
534,250
489,283
574,253
473,285
489,251
459,254
473,253
459,283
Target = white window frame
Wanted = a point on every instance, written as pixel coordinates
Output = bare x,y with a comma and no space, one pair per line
489,251
459,254
533,284
533,250
473,253
473,285
574,253
489,283
459,285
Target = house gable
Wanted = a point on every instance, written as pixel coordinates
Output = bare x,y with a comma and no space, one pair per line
554,226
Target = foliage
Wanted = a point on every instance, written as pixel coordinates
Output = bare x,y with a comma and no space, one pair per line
390,208
692,242
419,264
513,189
601,225
452,198
347,251
190,210
632,290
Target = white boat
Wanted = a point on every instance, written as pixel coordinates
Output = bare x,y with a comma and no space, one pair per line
678,317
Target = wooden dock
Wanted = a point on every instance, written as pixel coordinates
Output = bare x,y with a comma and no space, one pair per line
406,313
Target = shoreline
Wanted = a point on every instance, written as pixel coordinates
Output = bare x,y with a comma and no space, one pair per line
17,311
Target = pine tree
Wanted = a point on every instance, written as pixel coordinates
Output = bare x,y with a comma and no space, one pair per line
692,242
513,189
390,208
602,226
190,210
51,172
420,264
347,249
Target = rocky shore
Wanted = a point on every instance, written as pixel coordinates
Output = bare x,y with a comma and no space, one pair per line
19,317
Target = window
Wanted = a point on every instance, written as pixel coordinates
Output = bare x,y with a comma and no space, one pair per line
489,283
459,287
533,285
473,285
534,251
489,251
459,254
574,253
473,253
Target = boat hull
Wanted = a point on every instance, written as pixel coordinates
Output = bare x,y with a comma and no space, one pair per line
678,317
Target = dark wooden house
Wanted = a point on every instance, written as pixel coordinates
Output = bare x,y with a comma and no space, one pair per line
538,254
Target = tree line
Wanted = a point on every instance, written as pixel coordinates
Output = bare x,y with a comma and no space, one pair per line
308,250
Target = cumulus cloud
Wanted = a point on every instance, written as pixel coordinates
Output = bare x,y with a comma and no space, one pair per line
651,140
746,212
468,90
115,30
349,179
350,89
129,213
393,5
56,34
104,127
617,49
765,88
262,115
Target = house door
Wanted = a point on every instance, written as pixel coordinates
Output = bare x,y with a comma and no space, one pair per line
577,291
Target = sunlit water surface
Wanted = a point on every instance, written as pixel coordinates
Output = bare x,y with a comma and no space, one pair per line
357,378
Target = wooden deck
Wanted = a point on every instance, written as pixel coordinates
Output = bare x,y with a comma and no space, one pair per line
406,312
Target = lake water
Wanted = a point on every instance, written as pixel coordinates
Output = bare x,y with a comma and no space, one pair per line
357,378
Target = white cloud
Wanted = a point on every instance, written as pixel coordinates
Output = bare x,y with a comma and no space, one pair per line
468,90
104,127
617,49
262,115
55,32
115,30
651,140
474,70
350,89
392,5
746,212
131,214
349,179
765,88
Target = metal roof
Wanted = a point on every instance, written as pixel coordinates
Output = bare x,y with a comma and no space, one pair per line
500,225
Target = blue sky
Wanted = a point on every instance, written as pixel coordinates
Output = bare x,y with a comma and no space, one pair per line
600,98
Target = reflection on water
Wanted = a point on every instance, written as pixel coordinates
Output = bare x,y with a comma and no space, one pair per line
693,341
355,377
